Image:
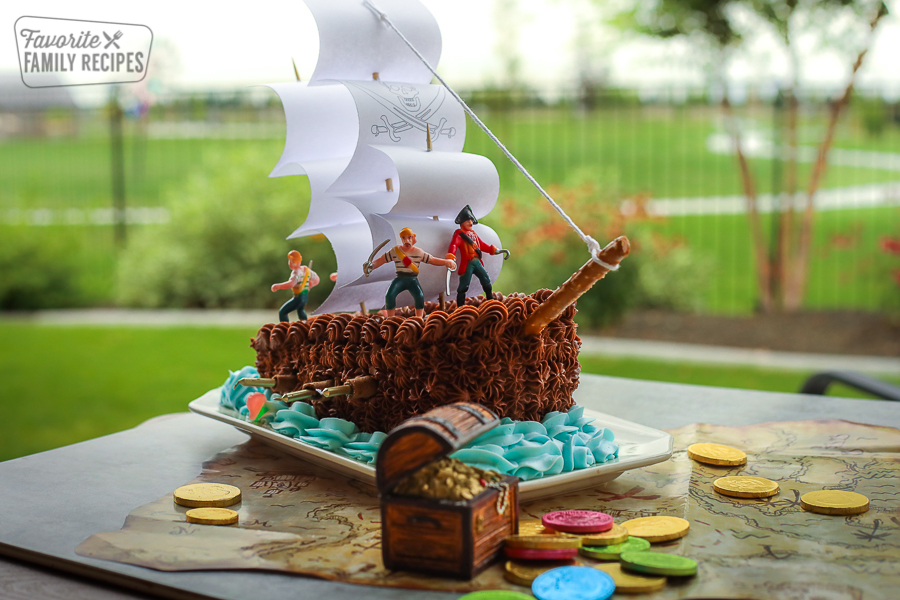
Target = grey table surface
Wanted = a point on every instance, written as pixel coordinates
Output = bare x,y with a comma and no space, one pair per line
52,501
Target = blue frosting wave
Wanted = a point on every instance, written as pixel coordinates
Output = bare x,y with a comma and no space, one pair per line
560,443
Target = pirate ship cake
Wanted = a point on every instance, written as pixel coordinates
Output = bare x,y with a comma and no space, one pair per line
382,148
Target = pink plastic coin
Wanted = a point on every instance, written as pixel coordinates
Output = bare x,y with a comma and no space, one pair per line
541,554
578,521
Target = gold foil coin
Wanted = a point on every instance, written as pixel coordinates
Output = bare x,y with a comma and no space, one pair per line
616,535
543,542
745,487
717,454
210,515
630,583
207,494
834,502
657,529
534,527
447,479
522,573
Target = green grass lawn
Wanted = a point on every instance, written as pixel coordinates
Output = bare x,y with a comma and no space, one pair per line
652,150
848,269
69,384
75,173
655,151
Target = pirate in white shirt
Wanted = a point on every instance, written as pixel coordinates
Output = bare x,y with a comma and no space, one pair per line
407,258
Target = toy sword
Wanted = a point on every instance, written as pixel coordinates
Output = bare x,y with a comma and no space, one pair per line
367,266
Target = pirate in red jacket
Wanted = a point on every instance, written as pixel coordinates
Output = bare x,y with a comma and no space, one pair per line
470,249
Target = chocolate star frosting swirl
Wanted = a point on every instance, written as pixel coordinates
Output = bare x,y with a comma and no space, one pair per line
475,353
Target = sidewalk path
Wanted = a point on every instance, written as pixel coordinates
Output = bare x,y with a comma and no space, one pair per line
619,347
723,355
146,318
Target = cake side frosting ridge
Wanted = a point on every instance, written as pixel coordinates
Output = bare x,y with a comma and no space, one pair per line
475,353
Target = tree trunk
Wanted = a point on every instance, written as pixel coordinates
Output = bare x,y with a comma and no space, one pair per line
787,231
784,244
797,284
747,180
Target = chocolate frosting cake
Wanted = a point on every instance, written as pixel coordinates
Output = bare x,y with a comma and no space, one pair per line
476,353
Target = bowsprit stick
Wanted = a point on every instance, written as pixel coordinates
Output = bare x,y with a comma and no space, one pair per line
583,279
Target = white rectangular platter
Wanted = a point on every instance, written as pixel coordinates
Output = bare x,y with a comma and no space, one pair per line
639,446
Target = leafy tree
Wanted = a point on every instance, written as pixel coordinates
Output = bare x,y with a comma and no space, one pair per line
717,25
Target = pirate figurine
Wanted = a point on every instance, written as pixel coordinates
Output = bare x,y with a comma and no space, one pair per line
407,258
471,249
302,278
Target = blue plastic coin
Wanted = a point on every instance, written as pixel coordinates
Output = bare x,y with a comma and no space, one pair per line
573,583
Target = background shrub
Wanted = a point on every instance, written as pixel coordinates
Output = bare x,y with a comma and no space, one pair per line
657,274
225,243
43,268
670,274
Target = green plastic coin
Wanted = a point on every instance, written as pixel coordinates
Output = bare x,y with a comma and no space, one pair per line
658,563
496,595
612,552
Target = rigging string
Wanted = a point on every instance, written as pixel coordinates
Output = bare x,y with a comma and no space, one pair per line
592,244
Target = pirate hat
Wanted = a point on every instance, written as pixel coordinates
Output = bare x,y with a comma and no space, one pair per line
466,215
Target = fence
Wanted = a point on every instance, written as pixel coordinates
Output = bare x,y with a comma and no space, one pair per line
665,163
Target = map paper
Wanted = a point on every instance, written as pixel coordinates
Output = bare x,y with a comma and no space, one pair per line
301,519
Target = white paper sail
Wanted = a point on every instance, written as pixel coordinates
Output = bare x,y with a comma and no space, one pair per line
354,43
350,134
321,124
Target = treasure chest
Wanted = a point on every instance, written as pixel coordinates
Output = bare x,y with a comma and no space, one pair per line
458,536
